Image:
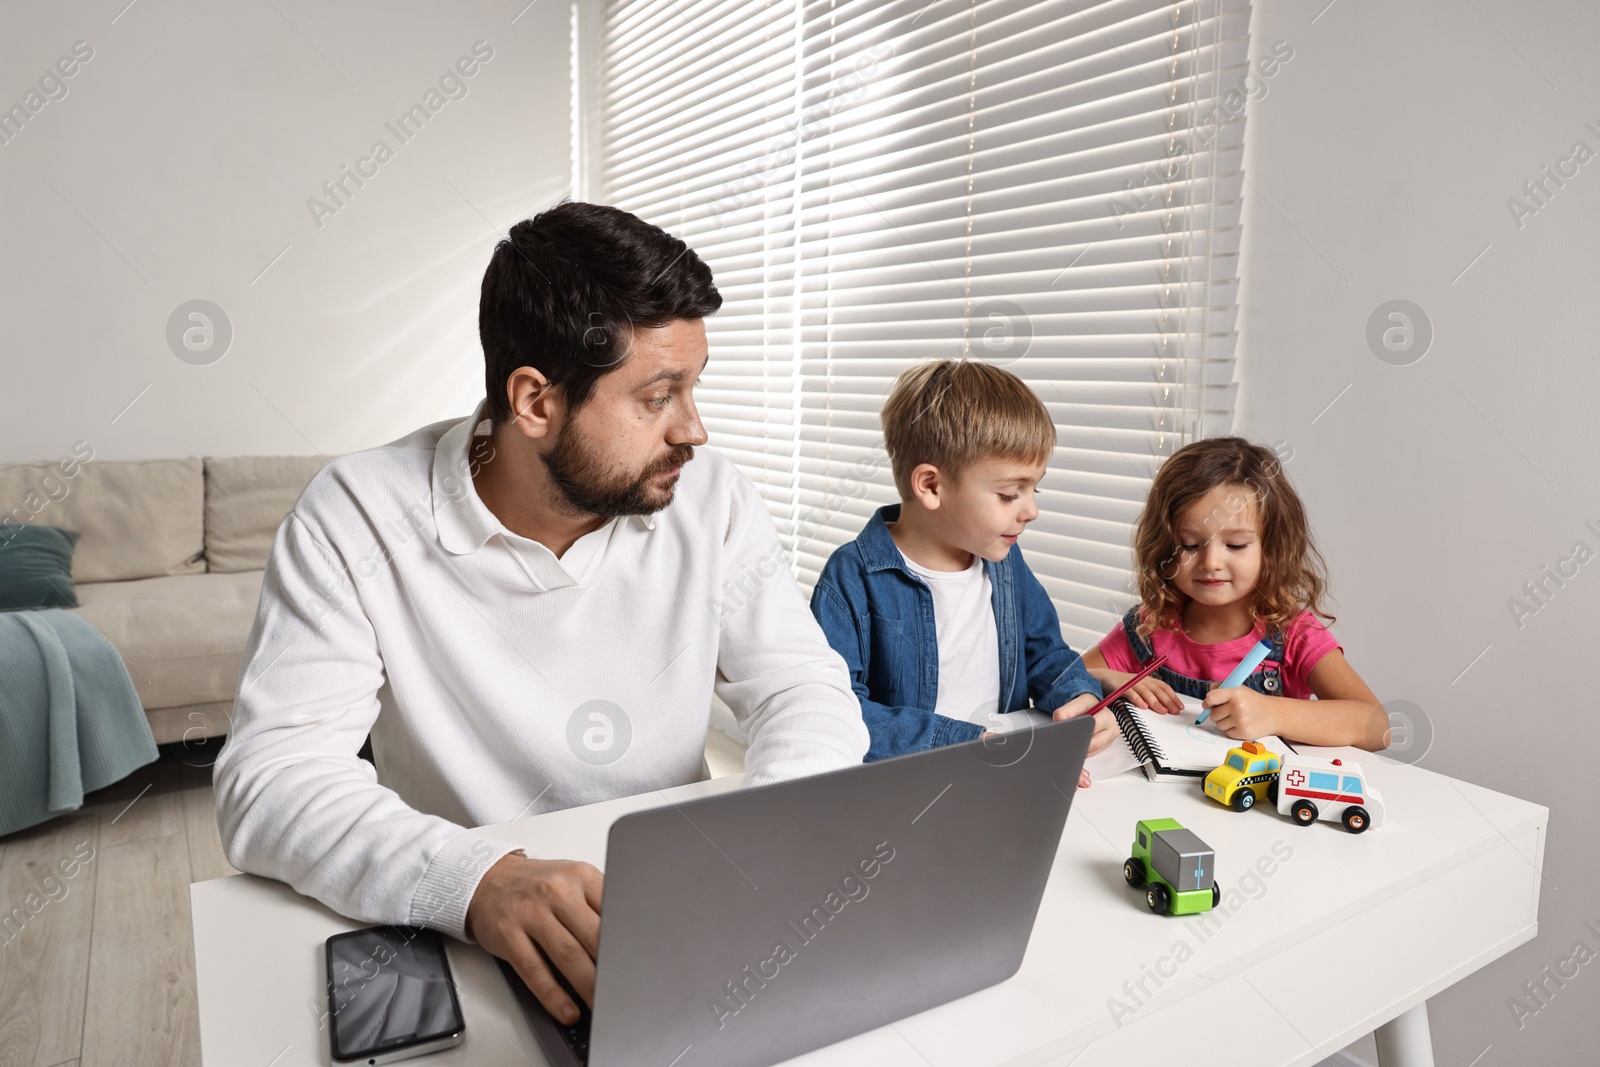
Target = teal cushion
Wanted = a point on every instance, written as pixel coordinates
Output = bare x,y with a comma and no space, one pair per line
36,567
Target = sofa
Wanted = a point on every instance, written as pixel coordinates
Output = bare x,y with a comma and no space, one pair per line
168,565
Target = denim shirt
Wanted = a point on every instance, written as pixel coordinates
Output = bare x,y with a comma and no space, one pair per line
878,615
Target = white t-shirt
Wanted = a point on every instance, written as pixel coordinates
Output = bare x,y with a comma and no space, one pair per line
969,644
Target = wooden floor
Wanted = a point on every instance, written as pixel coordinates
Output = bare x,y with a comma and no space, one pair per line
103,973
102,970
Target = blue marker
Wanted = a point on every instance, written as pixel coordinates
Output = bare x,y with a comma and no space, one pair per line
1251,661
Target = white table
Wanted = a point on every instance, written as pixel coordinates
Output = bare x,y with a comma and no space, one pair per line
1349,934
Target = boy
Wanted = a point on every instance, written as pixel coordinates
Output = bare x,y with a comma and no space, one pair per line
939,620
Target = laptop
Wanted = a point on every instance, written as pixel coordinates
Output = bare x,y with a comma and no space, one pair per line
746,928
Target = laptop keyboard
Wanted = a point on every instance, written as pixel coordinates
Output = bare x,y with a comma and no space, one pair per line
577,1036
574,1037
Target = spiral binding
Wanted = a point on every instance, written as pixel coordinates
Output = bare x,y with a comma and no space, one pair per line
1146,749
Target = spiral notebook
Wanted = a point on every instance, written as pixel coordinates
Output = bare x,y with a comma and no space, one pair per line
1171,748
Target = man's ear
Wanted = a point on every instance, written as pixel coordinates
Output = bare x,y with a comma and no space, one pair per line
927,485
536,406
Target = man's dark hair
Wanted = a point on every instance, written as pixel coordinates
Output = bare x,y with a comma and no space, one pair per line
564,288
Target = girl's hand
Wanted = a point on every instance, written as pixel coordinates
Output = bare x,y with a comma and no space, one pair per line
1152,693
1242,713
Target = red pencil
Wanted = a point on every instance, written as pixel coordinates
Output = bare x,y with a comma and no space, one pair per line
1144,672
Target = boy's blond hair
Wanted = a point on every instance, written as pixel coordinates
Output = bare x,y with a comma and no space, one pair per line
953,413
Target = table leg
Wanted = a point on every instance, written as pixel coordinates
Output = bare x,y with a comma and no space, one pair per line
1404,1041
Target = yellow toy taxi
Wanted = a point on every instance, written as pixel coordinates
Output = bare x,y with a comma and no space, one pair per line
1246,776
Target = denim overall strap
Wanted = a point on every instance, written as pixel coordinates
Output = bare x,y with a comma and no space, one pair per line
1181,683
1266,678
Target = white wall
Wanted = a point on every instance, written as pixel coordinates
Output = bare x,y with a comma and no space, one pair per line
178,166
1382,158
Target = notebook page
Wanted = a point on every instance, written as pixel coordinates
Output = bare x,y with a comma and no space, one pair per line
1114,759
1186,746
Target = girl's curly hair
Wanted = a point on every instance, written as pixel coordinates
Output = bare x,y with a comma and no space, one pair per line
1293,574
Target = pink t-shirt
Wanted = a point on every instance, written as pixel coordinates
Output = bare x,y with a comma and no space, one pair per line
1304,645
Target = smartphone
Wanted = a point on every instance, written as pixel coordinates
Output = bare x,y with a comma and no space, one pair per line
390,995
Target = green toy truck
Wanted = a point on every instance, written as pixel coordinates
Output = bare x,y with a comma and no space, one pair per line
1174,866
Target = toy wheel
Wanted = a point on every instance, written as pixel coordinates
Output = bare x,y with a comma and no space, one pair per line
1133,871
1216,894
1243,800
1272,792
1355,819
1304,812
1157,897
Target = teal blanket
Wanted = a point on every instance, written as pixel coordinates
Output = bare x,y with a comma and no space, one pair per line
70,721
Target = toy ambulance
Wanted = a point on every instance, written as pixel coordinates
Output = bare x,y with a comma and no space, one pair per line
1244,777
1311,788
1175,867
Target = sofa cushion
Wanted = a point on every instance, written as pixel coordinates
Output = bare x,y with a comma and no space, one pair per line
246,499
182,637
36,567
138,518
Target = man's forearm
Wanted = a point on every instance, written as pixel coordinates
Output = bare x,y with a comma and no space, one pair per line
339,837
294,801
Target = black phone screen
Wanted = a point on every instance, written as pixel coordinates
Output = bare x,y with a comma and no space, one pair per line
389,987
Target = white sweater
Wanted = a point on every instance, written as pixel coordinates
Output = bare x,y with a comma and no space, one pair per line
497,681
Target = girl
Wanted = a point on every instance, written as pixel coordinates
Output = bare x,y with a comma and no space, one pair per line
1224,557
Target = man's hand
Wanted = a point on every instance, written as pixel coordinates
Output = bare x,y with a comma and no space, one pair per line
554,904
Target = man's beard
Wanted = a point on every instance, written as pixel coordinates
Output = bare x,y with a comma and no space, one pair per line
582,479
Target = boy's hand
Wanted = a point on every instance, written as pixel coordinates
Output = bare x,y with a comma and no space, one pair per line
1076,706
1242,713
1152,693
1083,774
1105,730
1105,726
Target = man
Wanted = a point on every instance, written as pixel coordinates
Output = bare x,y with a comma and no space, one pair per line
527,611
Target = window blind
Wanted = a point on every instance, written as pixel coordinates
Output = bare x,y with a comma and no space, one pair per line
1050,186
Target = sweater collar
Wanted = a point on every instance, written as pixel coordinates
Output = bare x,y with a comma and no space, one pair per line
463,520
